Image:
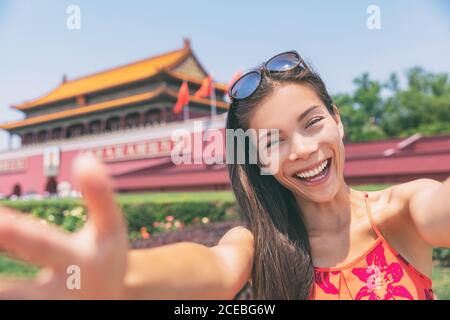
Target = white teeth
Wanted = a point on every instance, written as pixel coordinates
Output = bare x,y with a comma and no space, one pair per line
313,172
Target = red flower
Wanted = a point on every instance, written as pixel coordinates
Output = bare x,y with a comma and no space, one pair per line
380,278
429,294
144,233
322,279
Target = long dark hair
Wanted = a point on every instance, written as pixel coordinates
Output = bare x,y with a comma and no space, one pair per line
282,267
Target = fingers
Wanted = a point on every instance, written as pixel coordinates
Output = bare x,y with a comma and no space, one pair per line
39,288
20,290
96,185
29,239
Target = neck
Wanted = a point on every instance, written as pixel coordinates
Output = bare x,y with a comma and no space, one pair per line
332,216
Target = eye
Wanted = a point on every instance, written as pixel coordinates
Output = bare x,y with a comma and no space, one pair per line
272,142
313,121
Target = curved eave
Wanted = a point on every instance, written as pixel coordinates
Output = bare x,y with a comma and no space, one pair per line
116,103
163,71
181,76
111,78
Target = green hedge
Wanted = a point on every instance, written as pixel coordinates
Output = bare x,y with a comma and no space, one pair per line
154,217
442,256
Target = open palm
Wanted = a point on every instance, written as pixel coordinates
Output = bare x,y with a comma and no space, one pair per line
98,251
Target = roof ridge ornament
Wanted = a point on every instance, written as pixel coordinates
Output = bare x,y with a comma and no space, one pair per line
186,43
402,144
409,141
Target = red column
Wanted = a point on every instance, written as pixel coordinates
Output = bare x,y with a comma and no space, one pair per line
102,125
85,128
164,113
10,136
122,123
63,133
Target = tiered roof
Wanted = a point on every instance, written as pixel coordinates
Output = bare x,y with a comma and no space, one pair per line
164,64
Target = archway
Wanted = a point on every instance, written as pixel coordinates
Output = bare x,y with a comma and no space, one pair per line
56,133
132,120
153,116
52,186
113,124
17,190
75,130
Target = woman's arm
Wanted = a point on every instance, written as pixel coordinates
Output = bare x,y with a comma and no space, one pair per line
429,206
105,268
188,270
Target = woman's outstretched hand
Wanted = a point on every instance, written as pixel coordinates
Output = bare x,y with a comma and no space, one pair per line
96,256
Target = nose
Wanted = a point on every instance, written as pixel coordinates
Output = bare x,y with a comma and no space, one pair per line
301,147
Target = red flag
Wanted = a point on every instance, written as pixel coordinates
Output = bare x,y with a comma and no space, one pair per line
236,76
183,98
205,89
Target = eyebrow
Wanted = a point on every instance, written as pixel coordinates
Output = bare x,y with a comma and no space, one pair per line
305,113
300,118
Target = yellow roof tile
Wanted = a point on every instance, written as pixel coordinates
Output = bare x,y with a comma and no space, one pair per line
182,76
112,77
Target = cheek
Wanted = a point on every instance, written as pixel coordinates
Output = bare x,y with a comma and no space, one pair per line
330,132
330,136
273,159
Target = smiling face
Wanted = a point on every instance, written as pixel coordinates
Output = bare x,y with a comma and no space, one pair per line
308,135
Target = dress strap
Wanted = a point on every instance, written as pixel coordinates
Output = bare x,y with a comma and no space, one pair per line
369,213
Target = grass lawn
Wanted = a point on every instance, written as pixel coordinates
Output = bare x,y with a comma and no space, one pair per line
208,196
158,197
441,282
177,196
162,197
371,187
13,268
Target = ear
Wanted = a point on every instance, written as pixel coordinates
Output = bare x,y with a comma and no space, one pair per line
337,118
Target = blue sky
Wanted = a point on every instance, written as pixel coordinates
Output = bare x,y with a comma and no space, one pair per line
37,48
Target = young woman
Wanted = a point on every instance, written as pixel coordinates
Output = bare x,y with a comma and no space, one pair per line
307,234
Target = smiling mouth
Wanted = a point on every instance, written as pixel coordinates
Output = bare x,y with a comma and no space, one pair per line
319,177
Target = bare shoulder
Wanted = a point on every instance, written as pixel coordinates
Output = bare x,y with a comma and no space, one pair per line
396,224
238,233
236,250
393,202
381,202
381,195
404,192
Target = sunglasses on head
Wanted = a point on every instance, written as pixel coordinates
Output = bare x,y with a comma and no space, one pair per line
246,85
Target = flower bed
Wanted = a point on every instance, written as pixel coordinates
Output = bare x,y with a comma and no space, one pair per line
206,234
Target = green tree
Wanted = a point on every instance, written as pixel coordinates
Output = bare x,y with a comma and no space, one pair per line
384,110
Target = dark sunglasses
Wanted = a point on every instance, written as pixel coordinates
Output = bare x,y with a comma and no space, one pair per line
246,85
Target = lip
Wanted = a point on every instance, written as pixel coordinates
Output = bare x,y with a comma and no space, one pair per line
320,182
311,167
